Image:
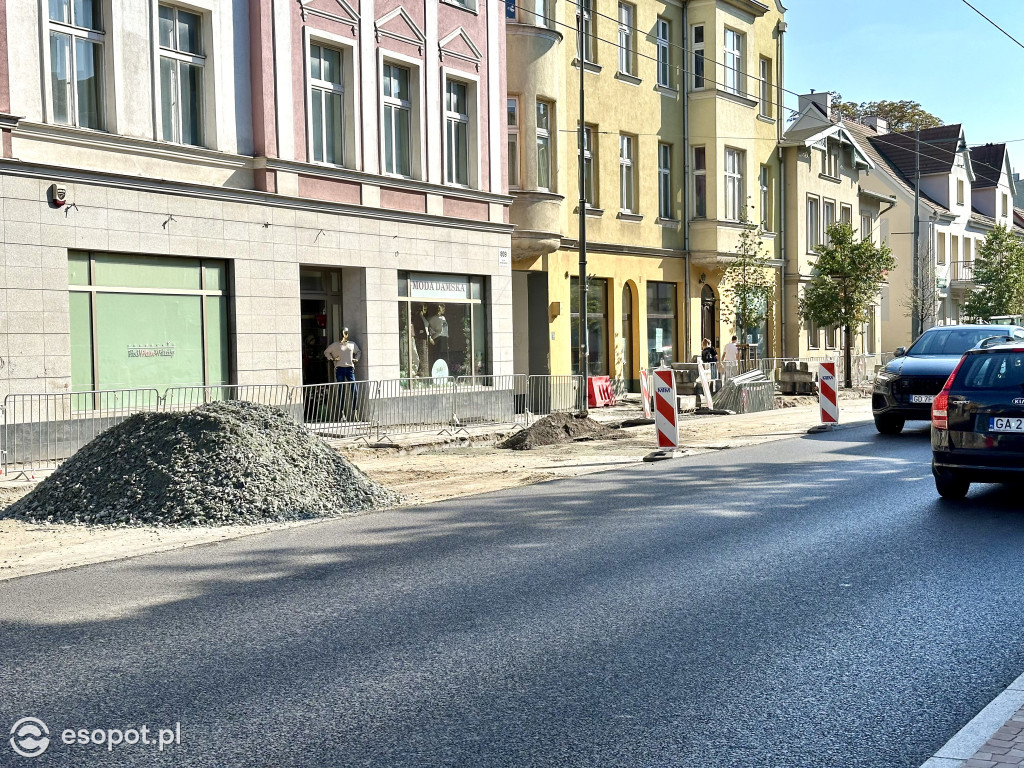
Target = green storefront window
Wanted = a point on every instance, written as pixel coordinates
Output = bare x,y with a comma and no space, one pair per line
81,342
78,268
147,272
216,276
217,340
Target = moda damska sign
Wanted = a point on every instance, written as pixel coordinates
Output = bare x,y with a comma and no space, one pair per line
438,287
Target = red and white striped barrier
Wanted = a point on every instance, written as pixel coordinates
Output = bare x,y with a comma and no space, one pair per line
665,422
645,393
827,394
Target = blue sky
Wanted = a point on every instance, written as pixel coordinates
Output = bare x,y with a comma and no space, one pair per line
937,52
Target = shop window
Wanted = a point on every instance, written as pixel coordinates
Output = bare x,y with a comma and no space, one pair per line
443,326
147,321
661,323
597,325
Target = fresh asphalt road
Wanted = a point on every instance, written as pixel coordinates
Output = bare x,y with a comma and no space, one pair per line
807,603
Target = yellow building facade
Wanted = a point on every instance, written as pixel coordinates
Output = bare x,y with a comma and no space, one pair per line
653,248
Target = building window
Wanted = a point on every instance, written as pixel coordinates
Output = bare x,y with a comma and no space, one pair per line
733,184
959,191
512,121
442,318
397,121
813,335
663,35
456,132
700,183
812,224
765,86
869,331
627,174
830,337
732,61
182,69
833,162
664,181
698,56
589,150
846,215
146,321
968,248
829,211
627,45
536,12
588,32
544,145
766,217
954,248
597,325
940,248
1006,205
865,227
76,63
661,323
327,99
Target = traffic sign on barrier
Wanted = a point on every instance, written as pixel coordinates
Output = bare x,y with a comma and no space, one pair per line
665,422
645,393
827,393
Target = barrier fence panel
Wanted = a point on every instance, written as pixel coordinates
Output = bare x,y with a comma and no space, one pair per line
556,394
413,405
489,399
192,396
336,410
41,430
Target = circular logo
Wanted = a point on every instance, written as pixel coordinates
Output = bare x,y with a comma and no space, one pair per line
30,737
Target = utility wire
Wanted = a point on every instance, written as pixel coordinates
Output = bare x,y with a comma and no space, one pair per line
682,70
986,18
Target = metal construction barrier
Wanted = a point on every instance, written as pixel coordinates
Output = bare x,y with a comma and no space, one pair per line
41,430
341,409
747,393
490,399
556,394
188,397
413,405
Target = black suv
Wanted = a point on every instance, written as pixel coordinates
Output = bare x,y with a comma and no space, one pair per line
904,390
978,419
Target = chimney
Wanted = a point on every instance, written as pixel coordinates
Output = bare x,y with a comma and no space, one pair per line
879,124
823,100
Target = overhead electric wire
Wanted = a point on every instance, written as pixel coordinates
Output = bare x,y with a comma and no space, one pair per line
683,71
986,18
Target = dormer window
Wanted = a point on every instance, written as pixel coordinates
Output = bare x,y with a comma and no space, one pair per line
959,191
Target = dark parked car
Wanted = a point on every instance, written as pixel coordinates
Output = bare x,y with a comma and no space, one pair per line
905,389
978,419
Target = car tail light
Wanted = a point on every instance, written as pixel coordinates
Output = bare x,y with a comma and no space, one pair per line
940,406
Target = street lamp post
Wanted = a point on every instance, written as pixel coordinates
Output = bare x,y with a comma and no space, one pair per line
581,142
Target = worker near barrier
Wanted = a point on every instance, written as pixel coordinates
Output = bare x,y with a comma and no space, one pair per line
731,358
344,353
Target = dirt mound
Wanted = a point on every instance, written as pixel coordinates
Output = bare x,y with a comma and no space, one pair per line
223,463
558,428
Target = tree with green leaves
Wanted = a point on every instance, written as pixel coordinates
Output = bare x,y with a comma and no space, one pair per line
846,279
998,277
903,115
748,285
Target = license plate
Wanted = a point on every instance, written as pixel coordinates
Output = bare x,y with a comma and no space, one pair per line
997,424
922,398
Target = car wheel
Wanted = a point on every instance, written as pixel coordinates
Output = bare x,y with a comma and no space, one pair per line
889,425
951,488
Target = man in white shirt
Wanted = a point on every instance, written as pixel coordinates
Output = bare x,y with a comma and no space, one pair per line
731,358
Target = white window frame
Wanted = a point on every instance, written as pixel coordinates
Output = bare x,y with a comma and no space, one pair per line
813,335
589,47
828,218
732,62
207,97
77,32
1006,204
764,182
536,13
353,145
700,61
416,130
627,39
733,184
512,124
545,137
665,182
589,166
813,223
469,119
663,38
627,173
764,86
701,173
959,191
940,248
313,86
833,161
846,214
866,227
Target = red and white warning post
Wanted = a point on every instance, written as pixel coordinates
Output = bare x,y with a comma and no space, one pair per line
665,421
828,393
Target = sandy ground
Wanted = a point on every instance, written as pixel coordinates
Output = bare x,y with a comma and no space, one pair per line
423,469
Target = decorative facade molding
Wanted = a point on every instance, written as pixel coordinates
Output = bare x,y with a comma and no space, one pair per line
413,34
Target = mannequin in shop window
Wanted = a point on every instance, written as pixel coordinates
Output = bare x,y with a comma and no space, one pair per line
438,326
344,353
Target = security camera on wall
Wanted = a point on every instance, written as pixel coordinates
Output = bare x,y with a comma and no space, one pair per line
58,195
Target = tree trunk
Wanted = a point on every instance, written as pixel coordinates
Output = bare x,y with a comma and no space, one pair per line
848,373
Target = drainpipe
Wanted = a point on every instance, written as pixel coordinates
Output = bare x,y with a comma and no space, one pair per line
684,89
779,122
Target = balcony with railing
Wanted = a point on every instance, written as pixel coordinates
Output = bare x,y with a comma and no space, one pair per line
961,271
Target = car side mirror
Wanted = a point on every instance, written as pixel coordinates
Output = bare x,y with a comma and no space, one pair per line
900,352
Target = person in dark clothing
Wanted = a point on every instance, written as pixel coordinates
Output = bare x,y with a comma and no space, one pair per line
709,356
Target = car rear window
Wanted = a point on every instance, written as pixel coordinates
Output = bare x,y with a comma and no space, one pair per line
955,341
994,370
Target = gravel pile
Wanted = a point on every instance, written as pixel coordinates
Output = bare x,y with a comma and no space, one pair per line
558,428
221,464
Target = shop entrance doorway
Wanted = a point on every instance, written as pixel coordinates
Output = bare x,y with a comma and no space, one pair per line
709,315
320,300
